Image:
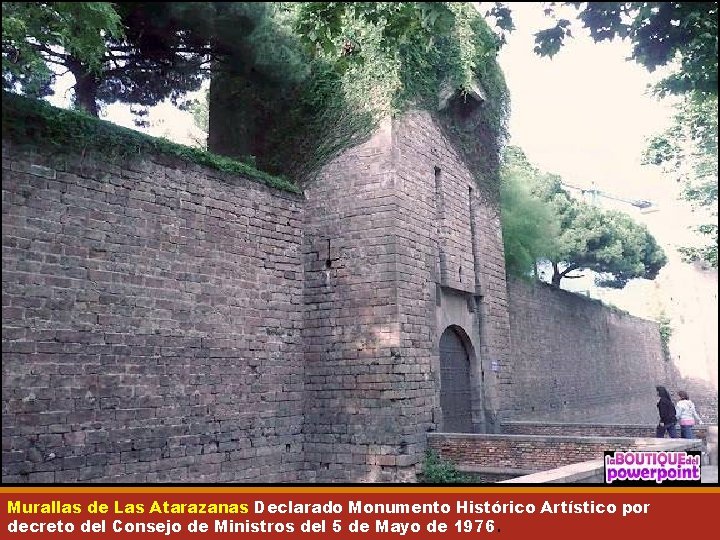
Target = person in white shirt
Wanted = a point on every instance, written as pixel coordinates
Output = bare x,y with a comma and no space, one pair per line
686,414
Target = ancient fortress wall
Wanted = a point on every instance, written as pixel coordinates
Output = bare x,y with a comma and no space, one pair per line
354,394
152,317
164,322
452,271
398,247
576,360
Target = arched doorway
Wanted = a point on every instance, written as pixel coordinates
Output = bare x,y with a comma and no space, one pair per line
455,392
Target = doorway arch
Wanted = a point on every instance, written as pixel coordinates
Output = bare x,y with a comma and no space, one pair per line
455,387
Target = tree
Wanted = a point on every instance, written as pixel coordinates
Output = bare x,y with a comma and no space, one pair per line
660,32
262,80
322,24
683,35
132,52
200,112
529,225
36,34
365,61
688,152
609,243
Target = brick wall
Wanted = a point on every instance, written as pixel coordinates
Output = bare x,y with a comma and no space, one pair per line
700,431
575,360
589,430
151,324
534,452
451,266
199,314
389,233
354,398
164,322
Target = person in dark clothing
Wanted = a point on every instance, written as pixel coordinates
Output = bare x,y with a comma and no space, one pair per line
666,408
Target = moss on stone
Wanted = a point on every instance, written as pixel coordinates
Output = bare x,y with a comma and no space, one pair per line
31,122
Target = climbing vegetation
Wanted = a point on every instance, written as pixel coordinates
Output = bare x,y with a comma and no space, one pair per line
29,122
364,62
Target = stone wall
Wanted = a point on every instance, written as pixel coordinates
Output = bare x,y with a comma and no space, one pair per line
539,453
451,267
590,430
394,235
575,360
355,396
166,322
151,324
207,328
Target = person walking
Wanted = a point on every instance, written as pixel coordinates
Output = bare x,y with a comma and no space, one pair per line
686,414
666,408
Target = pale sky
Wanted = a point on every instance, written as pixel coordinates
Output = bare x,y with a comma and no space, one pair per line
584,113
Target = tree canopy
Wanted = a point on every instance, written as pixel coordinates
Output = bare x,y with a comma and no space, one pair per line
143,52
530,226
584,237
37,35
364,61
681,34
138,53
688,153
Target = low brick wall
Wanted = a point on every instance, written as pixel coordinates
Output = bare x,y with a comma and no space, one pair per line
521,427
535,452
593,472
524,427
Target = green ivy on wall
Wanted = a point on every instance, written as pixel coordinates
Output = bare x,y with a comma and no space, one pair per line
345,87
32,123
666,332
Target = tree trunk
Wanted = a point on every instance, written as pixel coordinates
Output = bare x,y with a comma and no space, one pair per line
86,88
556,277
231,126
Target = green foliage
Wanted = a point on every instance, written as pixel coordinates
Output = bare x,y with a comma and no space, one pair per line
365,61
200,112
309,78
666,332
33,30
610,243
29,122
660,32
439,471
688,153
529,225
574,235
548,42
322,24
140,52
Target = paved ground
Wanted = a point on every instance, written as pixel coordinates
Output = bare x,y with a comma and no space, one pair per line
709,474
